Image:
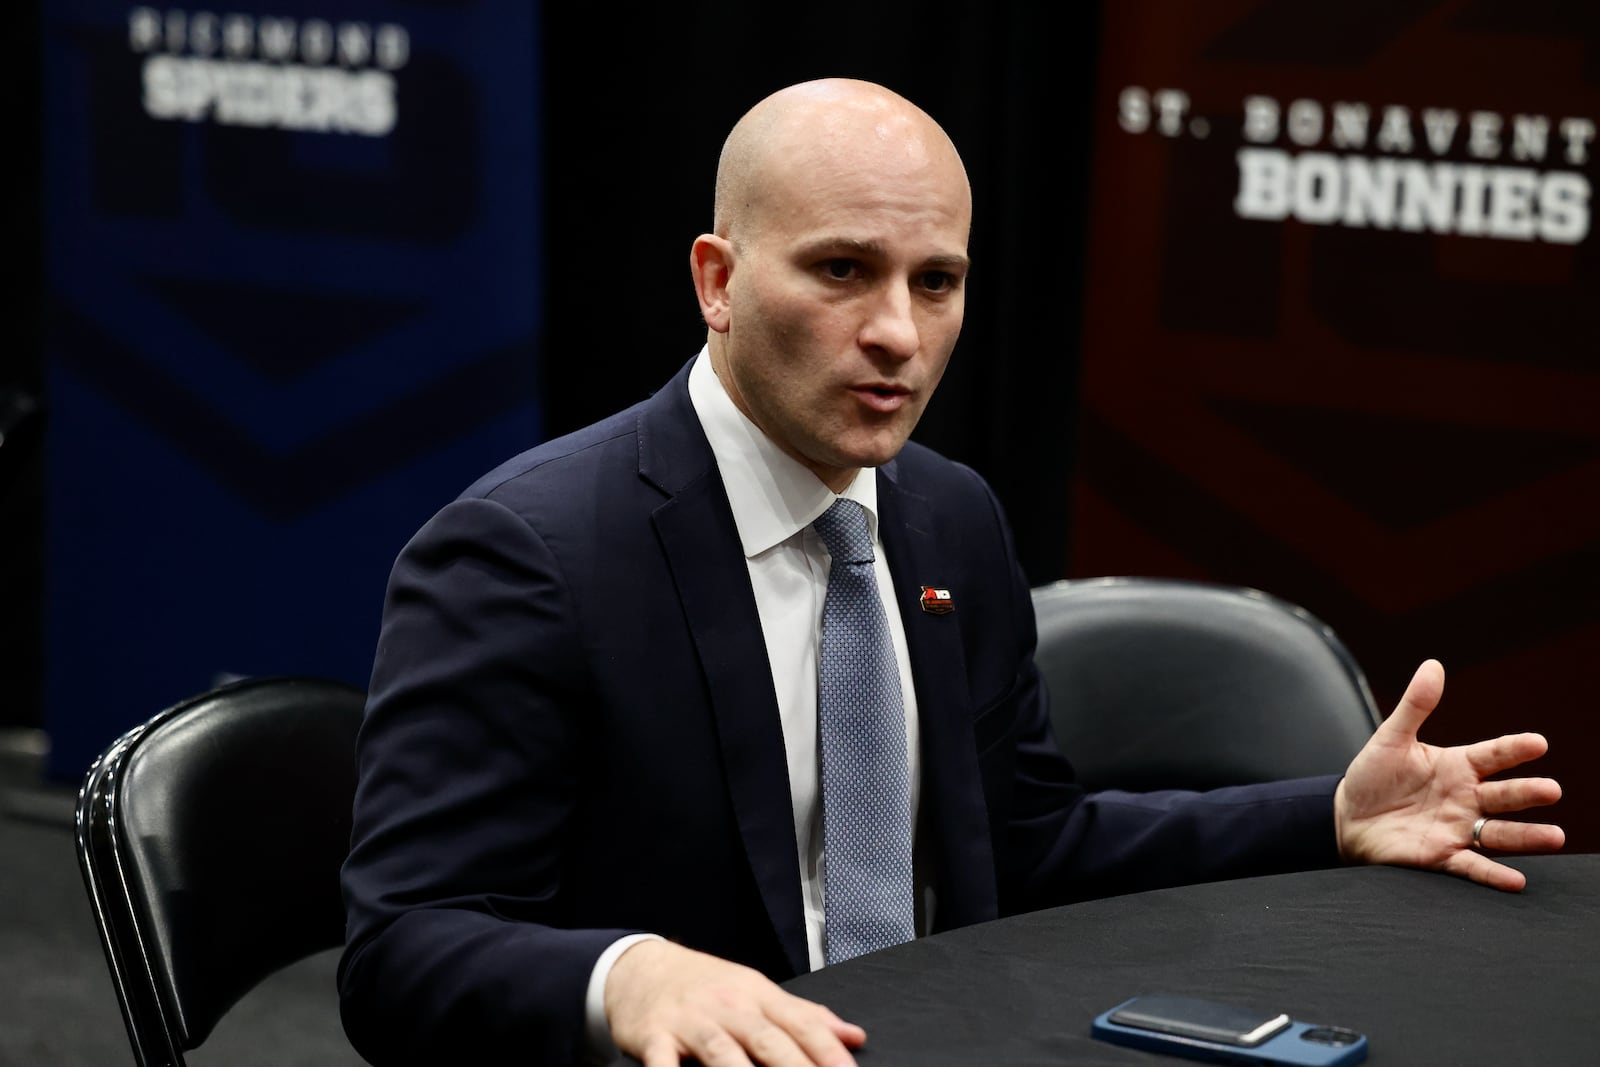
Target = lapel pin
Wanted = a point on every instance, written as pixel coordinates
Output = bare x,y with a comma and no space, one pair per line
937,601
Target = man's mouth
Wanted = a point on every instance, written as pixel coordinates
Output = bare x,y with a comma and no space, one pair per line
880,396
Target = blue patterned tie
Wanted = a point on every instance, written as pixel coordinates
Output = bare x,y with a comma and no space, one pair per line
866,782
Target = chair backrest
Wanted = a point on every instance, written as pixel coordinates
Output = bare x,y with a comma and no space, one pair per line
210,840
1164,684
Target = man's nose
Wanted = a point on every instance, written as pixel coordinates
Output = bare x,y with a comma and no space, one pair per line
891,326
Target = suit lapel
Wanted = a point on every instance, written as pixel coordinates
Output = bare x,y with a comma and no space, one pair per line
699,537
954,818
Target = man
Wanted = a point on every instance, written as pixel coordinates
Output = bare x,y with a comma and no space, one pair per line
595,703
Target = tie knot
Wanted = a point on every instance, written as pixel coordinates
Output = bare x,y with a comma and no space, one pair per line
843,528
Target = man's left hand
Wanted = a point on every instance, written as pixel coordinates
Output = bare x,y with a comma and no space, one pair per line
1404,802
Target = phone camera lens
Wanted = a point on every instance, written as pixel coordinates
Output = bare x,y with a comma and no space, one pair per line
1336,1036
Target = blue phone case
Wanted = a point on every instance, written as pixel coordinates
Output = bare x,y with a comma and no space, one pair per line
1288,1046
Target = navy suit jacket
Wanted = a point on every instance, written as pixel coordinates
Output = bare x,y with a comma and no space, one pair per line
572,734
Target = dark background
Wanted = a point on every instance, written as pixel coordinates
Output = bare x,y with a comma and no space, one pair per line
21,381
1394,429
634,123
635,105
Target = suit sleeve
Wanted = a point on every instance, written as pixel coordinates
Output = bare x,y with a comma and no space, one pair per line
468,762
1056,842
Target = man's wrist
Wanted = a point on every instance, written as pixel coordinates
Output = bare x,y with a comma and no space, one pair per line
599,1047
1339,824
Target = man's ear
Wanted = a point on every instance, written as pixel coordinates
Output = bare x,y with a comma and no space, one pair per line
711,263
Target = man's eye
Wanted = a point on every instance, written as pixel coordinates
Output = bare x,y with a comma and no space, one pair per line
938,281
839,269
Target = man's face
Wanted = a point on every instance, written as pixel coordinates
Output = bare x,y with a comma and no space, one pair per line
845,297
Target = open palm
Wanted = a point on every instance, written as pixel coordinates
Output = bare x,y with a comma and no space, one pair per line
1405,802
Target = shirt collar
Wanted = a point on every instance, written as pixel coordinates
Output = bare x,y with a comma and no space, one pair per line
772,494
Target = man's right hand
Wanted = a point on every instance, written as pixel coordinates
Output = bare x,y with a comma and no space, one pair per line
665,1002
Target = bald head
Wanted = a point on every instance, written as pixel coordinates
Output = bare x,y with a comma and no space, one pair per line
834,284
815,128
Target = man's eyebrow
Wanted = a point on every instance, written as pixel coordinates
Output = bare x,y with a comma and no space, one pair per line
950,262
826,246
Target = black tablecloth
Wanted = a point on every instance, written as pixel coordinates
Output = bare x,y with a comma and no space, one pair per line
1434,970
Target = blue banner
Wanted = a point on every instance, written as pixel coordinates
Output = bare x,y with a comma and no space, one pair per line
293,283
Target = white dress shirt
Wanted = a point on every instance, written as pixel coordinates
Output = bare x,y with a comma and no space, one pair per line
774,500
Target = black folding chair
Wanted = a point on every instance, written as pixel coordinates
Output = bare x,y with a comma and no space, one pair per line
1165,684
210,840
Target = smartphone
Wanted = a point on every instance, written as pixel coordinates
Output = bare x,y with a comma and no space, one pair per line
1224,1033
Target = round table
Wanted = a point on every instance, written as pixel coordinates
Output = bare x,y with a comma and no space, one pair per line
1433,969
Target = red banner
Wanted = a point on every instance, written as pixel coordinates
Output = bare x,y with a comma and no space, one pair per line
1341,337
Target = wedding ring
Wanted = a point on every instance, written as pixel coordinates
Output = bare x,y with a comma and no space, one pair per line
1477,831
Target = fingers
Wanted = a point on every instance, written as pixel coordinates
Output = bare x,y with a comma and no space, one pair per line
716,1047
664,1001
1502,753
821,1034
663,1052
779,1029
1517,794
735,1040
1485,871
784,1035
1508,835
850,1034
1420,698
